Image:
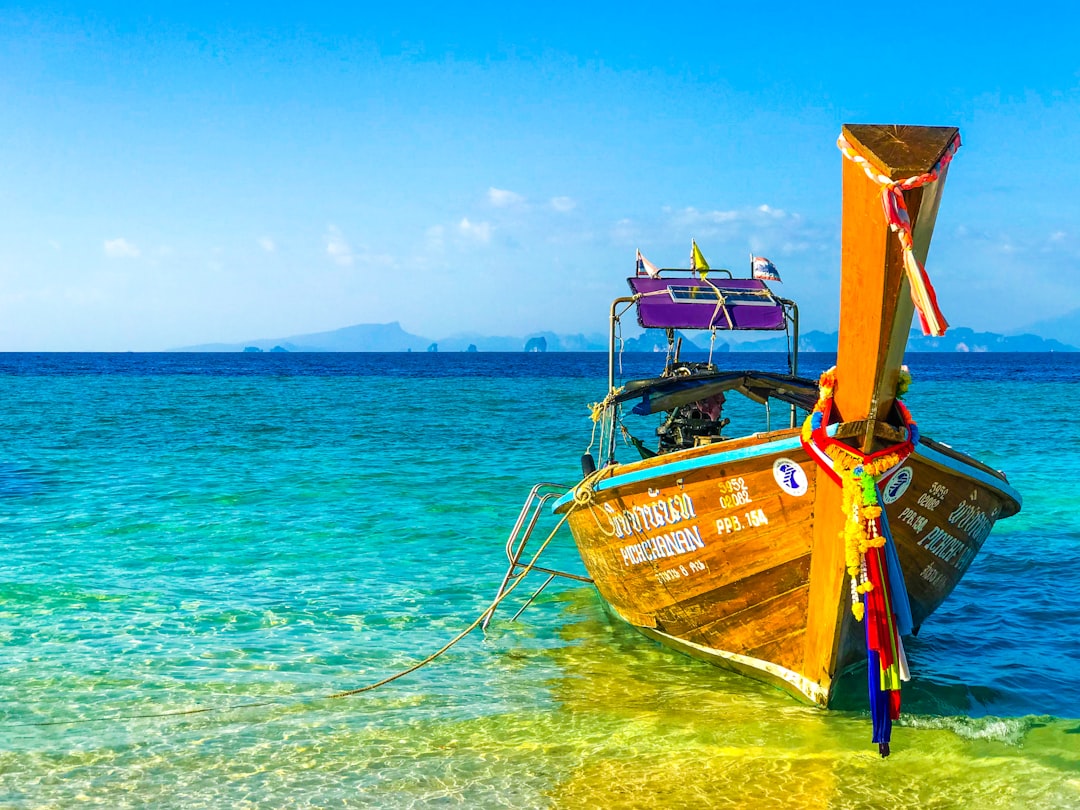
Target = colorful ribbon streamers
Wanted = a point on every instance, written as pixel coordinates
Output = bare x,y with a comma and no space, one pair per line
896,214
878,595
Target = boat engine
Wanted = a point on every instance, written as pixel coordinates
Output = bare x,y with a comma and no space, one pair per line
693,425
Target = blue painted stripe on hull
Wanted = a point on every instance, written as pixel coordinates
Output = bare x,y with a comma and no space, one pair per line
966,470
792,443
685,465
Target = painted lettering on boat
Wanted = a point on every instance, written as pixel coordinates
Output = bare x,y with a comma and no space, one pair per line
733,493
671,574
653,515
932,498
973,521
751,519
947,547
913,519
662,546
934,577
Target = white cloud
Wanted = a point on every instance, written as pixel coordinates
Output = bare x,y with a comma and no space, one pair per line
563,204
267,244
337,248
705,222
480,231
763,229
501,198
120,248
778,213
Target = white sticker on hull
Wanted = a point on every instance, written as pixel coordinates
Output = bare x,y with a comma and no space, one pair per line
790,477
897,485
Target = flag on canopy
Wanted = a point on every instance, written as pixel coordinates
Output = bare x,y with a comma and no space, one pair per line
697,261
647,267
763,269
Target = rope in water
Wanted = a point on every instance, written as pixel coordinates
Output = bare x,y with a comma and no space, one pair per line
583,496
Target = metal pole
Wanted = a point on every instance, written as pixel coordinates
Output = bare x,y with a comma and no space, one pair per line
530,599
794,318
613,320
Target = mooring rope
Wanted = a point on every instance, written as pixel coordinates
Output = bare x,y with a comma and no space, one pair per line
584,495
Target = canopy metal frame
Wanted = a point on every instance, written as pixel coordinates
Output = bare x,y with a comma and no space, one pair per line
609,419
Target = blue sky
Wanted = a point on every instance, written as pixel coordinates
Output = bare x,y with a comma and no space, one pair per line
188,174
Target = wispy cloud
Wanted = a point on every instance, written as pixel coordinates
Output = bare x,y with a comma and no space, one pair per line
1059,243
762,228
703,223
435,237
501,198
267,244
480,231
337,247
625,230
121,248
563,204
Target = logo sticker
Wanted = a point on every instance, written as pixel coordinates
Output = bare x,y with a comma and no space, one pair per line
897,485
790,476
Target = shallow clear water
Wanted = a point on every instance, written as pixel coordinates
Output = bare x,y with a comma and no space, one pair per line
214,531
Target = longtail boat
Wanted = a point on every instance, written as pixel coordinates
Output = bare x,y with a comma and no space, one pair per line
791,555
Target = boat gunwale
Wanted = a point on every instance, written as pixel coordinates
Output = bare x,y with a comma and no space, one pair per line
709,456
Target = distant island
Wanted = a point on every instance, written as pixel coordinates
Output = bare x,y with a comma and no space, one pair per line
390,337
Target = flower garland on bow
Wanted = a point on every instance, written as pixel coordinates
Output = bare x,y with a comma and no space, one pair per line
896,214
865,554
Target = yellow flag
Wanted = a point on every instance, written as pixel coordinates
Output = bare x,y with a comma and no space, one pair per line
697,261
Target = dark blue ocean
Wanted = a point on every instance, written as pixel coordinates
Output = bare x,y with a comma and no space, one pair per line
185,531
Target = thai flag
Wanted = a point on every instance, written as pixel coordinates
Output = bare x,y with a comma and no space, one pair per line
763,269
646,267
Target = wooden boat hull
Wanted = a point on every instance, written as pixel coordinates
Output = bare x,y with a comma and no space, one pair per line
712,551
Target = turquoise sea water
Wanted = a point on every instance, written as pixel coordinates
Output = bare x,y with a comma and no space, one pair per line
215,531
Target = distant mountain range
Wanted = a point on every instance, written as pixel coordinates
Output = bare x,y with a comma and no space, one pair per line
957,339
1065,328
390,337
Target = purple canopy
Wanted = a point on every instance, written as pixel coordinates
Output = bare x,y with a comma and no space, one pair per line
694,303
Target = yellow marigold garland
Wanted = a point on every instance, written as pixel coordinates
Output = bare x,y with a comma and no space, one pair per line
858,476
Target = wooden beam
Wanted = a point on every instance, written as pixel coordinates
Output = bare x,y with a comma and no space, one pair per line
875,298
875,317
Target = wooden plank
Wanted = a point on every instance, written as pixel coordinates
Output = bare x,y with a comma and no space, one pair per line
900,151
716,604
755,544
827,588
939,523
787,651
875,298
757,625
